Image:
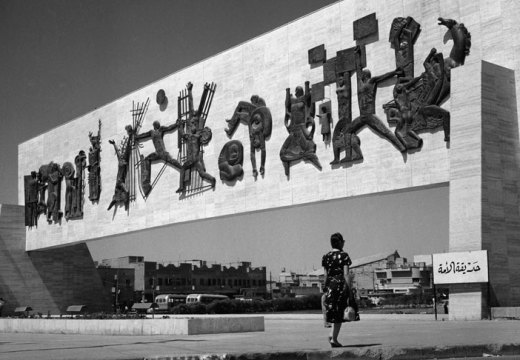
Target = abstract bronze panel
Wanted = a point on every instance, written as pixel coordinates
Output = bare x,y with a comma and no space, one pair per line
317,92
365,27
317,55
329,71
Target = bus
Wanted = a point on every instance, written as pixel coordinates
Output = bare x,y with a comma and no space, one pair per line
167,301
204,298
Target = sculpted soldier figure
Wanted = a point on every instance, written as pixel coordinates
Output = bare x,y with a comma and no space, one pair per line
194,138
160,153
299,113
367,89
94,169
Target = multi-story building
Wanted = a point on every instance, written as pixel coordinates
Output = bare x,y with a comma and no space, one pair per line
191,276
371,275
403,277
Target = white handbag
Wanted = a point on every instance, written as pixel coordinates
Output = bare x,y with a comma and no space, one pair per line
350,314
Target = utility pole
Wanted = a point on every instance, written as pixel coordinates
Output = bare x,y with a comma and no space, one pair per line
271,284
116,304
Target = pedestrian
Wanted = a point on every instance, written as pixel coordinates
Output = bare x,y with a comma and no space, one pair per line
2,302
337,292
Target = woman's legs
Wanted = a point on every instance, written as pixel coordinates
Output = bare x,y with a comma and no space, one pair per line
334,332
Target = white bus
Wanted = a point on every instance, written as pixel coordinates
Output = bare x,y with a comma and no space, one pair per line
167,301
204,298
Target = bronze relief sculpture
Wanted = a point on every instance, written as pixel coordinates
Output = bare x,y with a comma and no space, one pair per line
123,152
230,160
31,191
51,176
299,121
94,165
258,118
156,134
417,100
193,135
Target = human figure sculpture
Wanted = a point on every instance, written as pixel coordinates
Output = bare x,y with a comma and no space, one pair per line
121,192
299,113
51,175
326,123
80,161
416,104
70,186
259,121
194,138
230,160
404,131
160,153
31,200
344,94
94,162
339,140
367,89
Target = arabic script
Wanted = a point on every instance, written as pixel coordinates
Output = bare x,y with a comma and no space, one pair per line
458,267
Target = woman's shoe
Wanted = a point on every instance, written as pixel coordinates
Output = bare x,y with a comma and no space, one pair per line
335,344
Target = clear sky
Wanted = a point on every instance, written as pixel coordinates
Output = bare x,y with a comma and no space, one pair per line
63,58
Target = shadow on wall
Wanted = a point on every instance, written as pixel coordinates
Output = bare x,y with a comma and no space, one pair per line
49,280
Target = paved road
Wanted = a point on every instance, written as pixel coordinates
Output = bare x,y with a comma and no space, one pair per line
285,337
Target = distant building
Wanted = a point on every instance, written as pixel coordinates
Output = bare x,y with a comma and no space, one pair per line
404,278
189,276
373,275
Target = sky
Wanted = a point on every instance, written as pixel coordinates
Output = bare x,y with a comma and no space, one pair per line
63,58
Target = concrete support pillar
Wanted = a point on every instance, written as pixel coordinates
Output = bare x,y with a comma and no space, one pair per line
484,184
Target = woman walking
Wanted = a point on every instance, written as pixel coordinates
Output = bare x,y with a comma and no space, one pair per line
336,264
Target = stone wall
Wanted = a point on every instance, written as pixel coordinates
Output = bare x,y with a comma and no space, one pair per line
47,280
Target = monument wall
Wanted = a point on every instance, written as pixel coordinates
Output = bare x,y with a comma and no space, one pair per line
266,66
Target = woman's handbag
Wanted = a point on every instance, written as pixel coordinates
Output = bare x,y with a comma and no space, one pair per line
350,314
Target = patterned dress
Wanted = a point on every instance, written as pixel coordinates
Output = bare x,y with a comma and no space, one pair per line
336,287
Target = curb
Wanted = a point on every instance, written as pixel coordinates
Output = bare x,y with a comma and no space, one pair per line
375,353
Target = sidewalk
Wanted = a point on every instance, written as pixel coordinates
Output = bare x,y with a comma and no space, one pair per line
286,336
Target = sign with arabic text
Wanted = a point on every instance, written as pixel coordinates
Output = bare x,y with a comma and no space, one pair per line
460,267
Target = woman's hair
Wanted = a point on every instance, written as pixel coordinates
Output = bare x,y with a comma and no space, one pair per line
336,240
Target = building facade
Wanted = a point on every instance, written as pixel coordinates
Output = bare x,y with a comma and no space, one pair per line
188,277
